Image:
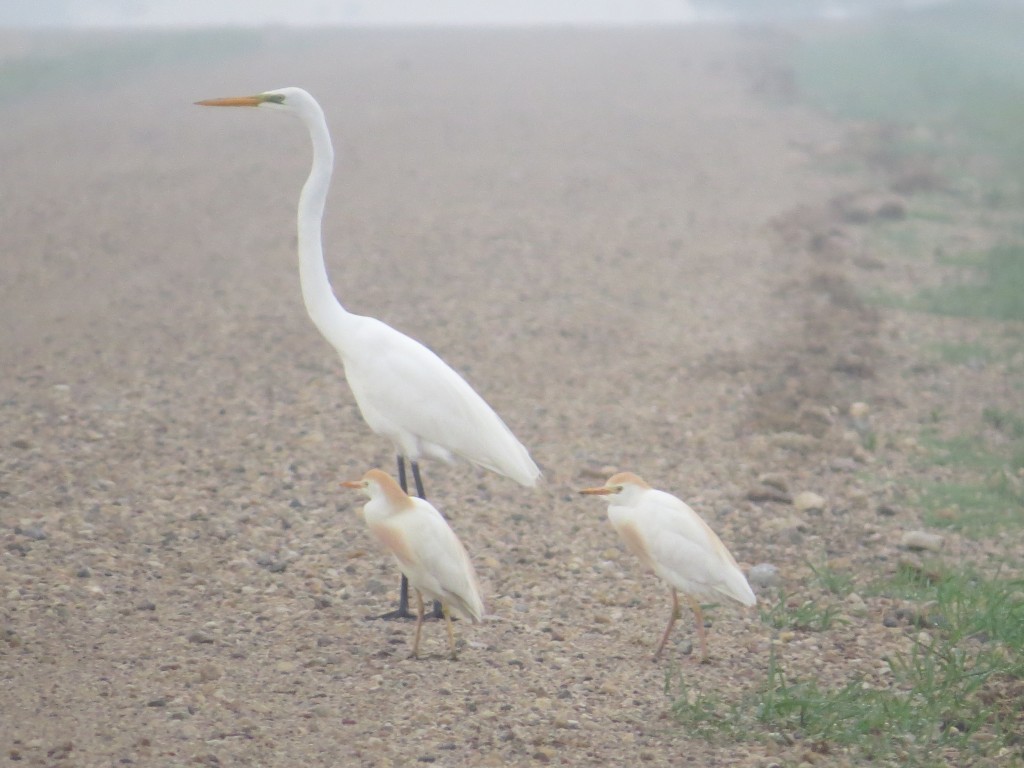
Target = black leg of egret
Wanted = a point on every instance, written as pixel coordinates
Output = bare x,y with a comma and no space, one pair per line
403,594
438,610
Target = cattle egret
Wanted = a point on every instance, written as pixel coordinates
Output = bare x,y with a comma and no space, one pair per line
428,552
674,542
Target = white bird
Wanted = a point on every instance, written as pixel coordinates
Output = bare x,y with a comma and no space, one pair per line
427,550
404,391
674,542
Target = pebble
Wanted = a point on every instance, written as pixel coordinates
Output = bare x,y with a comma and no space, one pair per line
859,410
763,575
775,480
855,605
199,637
922,540
843,464
209,672
808,501
34,532
794,441
764,492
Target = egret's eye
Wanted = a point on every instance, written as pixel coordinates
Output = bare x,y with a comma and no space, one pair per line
276,98
618,489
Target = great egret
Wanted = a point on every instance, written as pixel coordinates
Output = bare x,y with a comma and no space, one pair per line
427,550
404,391
674,542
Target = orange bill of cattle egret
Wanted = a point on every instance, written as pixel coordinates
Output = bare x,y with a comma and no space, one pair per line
673,541
428,552
404,391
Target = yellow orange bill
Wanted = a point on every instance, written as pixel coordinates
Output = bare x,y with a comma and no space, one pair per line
352,484
232,101
602,491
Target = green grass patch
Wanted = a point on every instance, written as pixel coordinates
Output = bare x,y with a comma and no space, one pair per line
99,59
964,353
947,82
996,292
790,612
954,697
839,583
986,493
956,70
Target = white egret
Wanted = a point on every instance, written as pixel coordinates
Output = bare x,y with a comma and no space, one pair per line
404,391
428,552
674,542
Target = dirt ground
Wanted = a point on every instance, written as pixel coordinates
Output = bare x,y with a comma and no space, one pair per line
628,241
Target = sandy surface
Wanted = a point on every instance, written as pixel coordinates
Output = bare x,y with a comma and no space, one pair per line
607,233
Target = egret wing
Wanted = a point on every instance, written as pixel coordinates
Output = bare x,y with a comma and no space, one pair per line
408,393
686,552
435,561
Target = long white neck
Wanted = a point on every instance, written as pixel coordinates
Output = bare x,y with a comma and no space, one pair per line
323,307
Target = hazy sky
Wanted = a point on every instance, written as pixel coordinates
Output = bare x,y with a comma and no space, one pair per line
304,12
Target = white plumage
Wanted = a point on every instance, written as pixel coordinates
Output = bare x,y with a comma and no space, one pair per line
674,542
404,391
428,552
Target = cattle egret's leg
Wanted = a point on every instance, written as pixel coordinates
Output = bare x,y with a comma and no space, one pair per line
451,634
419,625
403,593
671,621
438,612
701,634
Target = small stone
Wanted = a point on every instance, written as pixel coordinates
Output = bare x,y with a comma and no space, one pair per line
775,480
843,464
34,532
61,751
209,672
760,493
794,441
922,540
161,702
83,573
855,605
859,410
145,605
763,575
199,637
544,754
808,501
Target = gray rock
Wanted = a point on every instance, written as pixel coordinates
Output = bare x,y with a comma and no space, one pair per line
34,532
763,575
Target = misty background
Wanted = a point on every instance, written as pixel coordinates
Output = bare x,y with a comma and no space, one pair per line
178,13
